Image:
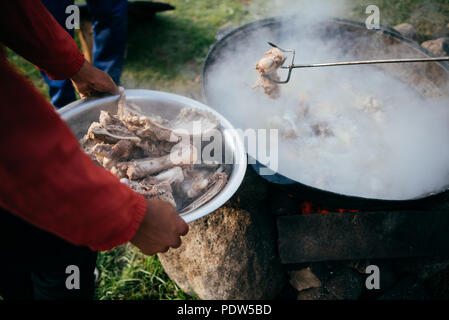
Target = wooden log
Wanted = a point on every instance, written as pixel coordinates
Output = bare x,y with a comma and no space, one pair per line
363,235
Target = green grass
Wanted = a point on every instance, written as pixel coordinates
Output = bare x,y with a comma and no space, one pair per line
29,70
428,17
167,54
126,274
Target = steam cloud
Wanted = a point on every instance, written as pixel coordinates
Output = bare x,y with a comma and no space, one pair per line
387,142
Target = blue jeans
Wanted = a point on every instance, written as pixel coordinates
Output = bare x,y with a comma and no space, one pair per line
109,22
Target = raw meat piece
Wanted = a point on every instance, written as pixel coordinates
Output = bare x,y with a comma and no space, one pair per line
268,67
162,191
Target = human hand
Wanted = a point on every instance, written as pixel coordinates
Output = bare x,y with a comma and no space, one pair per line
89,80
160,229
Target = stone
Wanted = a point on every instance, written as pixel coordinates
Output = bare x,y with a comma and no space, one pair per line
439,47
347,284
322,237
252,193
323,270
423,268
406,30
445,32
231,253
358,265
282,204
387,275
315,294
304,279
410,288
287,293
438,285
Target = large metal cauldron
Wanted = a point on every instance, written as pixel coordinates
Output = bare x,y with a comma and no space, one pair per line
429,79
80,114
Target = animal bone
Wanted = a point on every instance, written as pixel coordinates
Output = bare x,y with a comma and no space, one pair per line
111,133
181,156
155,128
216,184
119,169
162,191
148,128
171,176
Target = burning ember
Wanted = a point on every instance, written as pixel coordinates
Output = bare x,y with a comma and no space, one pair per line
307,207
311,208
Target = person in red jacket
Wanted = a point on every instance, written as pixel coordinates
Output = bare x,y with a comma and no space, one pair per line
57,207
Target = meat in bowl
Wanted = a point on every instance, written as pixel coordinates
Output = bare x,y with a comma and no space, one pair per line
150,155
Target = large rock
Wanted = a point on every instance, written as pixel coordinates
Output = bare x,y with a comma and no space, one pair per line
347,284
439,47
406,30
409,288
304,279
387,275
316,294
423,268
231,253
438,285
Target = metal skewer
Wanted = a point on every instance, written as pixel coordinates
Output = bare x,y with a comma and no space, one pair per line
292,66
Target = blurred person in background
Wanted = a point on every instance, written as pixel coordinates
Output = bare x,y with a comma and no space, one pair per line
109,22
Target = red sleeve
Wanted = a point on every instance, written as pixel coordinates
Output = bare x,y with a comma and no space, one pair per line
30,30
47,180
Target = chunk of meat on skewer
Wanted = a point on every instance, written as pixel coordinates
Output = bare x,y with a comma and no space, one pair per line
268,67
270,88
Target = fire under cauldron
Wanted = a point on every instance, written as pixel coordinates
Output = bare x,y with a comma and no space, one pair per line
318,225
